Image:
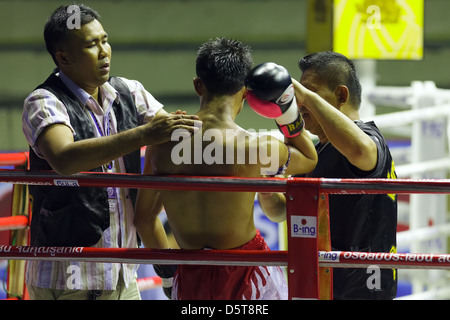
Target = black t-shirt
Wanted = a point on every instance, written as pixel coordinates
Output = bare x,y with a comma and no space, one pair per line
366,223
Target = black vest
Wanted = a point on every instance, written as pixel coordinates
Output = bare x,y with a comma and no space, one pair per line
77,216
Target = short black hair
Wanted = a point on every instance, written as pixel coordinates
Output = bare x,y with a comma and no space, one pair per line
334,69
56,29
223,64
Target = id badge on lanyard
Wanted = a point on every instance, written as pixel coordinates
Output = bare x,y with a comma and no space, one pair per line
112,197
112,191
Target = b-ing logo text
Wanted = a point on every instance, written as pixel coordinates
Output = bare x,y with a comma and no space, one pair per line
303,226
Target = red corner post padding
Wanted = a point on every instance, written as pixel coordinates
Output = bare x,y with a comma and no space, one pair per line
302,201
324,244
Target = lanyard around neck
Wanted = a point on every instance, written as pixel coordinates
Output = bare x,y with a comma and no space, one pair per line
106,124
107,132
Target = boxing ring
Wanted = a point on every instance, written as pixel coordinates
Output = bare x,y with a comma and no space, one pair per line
309,260
423,189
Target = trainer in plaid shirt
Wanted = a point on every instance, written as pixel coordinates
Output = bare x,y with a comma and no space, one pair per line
78,120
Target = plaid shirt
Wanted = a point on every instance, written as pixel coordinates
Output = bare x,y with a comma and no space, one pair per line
41,109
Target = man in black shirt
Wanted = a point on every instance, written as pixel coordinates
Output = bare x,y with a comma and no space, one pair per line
329,97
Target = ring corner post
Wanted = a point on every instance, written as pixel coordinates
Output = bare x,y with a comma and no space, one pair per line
302,201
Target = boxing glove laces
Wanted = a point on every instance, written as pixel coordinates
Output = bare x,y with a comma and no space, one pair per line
271,95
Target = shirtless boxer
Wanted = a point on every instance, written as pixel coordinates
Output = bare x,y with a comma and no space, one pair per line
224,220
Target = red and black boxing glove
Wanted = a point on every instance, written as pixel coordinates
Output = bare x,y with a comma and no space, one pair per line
166,273
271,95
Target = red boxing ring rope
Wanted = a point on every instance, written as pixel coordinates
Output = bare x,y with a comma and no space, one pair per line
13,223
201,183
333,259
149,283
348,259
13,159
302,193
146,256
